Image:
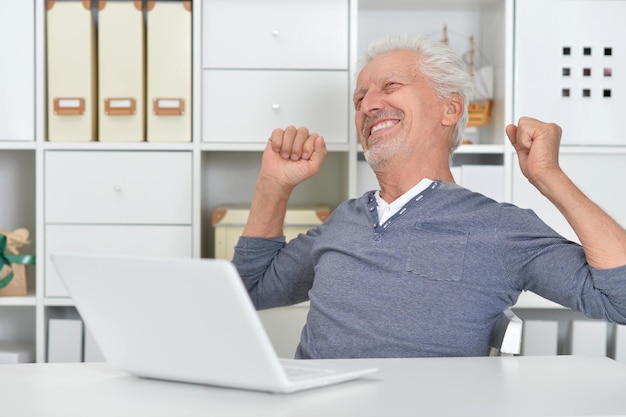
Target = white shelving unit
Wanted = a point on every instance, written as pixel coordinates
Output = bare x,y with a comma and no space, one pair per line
235,74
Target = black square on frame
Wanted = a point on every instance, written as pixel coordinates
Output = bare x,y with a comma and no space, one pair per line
567,50
608,51
587,50
586,92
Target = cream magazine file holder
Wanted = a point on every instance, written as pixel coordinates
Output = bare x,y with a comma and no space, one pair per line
168,71
121,71
71,71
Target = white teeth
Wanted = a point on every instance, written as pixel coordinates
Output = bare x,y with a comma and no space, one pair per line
382,125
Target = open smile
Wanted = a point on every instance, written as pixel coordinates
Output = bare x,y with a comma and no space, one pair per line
382,125
377,126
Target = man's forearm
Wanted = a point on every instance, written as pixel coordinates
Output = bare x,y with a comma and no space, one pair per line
602,238
267,211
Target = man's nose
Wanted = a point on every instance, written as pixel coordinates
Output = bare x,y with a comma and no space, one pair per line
372,101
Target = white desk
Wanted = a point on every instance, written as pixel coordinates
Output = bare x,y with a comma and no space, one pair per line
505,386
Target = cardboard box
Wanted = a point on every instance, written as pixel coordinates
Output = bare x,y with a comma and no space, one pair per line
230,221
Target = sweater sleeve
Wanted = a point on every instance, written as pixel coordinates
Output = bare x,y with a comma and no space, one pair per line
271,272
540,260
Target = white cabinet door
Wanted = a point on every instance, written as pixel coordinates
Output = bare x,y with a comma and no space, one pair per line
167,241
17,71
118,187
292,34
245,106
570,67
597,175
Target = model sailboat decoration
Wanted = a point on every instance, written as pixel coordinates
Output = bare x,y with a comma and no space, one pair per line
479,108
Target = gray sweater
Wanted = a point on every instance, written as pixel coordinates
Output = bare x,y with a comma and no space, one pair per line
431,281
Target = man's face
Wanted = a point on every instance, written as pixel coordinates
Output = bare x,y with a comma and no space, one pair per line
395,107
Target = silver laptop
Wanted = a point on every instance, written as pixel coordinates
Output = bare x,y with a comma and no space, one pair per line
187,320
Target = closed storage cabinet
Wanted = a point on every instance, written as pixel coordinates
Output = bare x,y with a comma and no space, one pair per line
265,61
295,34
118,187
574,75
116,202
140,240
17,71
271,99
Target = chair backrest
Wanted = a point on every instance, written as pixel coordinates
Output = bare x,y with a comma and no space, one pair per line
506,338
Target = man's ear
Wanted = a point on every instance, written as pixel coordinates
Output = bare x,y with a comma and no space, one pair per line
453,110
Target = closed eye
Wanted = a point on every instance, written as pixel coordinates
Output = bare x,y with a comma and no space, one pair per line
391,86
387,88
357,102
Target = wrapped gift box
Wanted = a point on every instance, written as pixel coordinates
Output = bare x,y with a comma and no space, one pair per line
13,265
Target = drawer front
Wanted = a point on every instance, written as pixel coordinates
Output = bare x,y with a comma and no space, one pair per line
266,100
118,187
276,34
170,241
